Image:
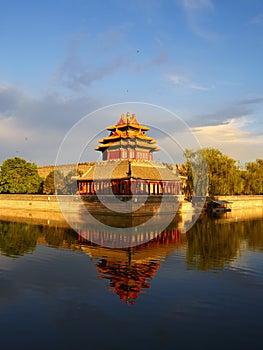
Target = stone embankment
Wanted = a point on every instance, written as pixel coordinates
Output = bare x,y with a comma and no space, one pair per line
243,202
50,202
48,208
29,202
107,205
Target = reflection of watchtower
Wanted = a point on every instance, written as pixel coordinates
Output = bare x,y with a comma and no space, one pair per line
130,271
127,140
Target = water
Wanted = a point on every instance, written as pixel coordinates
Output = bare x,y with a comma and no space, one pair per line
199,290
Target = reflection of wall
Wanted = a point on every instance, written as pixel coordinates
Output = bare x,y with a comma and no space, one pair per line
34,217
245,214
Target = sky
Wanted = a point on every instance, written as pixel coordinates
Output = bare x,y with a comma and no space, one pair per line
61,60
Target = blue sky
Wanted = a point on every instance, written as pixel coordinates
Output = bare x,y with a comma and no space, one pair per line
200,59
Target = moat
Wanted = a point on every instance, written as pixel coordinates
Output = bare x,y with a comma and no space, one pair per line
197,289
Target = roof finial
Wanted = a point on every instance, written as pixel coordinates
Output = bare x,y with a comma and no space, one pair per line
128,117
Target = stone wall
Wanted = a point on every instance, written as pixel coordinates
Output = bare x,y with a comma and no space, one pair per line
242,202
28,202
49,202
43,171
46,207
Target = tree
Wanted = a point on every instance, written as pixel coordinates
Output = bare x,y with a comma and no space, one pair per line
254,177
224,176
70,183
54,183
57,183
196,172
19,176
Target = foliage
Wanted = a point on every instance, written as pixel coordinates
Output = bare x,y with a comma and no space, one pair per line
54,183
19,176
224,176
70,184
208,172
254,177
196,172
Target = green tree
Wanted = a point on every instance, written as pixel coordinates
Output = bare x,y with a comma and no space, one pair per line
254,177
196,172
19,176
224,176
70,183
54,183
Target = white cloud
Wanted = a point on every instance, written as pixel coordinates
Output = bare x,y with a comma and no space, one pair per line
2,89
185,82
8,127
195,11
231,139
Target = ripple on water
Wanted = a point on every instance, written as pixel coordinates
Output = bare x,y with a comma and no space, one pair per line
249,266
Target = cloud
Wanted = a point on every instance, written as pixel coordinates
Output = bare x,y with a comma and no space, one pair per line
231,139
160,59
258,19
111,37
75,72
195,11
49,111
91,59
232,111
86,76
34,127
185,82
250,101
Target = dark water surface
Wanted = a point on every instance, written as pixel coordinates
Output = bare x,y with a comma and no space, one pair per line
199,290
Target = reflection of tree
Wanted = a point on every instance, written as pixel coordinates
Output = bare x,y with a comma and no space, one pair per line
211,245
254,234
59,236
17,239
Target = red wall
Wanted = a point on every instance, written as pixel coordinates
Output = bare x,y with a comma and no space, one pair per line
131,154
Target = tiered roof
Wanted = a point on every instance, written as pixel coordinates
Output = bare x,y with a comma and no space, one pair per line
129,169
129,132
